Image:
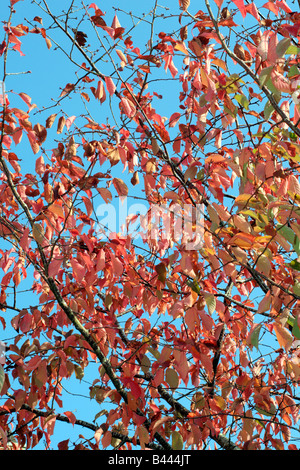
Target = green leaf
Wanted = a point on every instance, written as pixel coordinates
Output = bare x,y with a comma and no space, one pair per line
250,213
287,233
283,46
79,372
296,246
177,441
293,136
154,352
2,377
242,100
254,338
172,378
268,110
231,113
290,236
210,302
294,264
293,72
276,93
296,329
272,411
265,75
232,83
145,364
194,285
100,414
199,400
296,288
292,50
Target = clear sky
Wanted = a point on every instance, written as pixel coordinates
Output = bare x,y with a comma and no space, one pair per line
42,74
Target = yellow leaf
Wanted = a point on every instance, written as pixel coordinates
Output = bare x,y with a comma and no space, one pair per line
264,265
241,223
38,233
113,156
199,401
180,46
143,436
243,240
220,402
220,63
155,146
57,210
284,337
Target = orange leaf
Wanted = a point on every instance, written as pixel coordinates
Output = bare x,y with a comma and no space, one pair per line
105,194
243,240
180,46
120,186
61,124
57,210
143,436
284,337
71,417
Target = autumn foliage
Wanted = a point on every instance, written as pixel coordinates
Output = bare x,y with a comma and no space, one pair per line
176,345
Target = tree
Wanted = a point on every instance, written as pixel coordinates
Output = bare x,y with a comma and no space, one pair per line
182,309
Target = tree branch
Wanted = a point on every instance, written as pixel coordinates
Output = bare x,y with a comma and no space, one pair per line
248,70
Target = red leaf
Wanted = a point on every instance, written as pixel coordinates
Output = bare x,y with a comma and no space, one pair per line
33,141
33,363
2,47
105,194
63,445
280,82
241,7
111,88
219,3
88,205
174,119
128,107
78,270
69,121
117,266
40,165
25,323
115,23
99,93
106,439
24,241
252,9
71,417
272,7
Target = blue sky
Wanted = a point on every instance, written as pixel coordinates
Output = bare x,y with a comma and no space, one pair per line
42,74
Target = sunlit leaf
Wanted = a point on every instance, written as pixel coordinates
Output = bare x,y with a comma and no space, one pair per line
242,100
295,264
2,377
177,441
282,46
254,337
284,337
210,302
172,378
